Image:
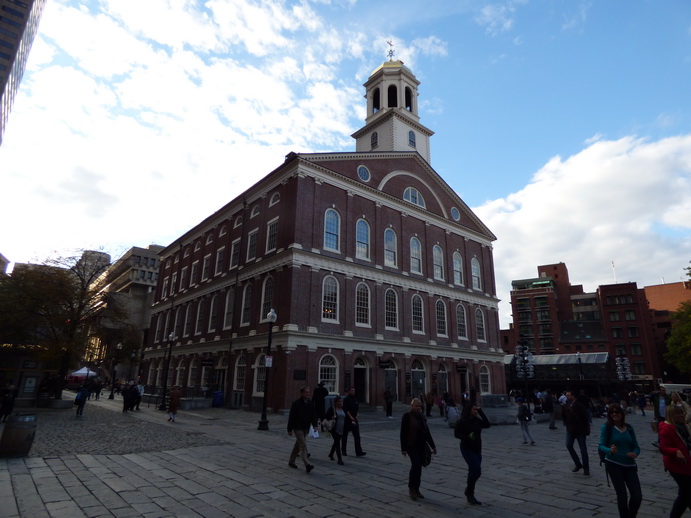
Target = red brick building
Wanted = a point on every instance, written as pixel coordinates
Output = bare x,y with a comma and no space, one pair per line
380,275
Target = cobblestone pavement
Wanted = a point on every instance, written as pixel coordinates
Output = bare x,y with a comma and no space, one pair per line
214,463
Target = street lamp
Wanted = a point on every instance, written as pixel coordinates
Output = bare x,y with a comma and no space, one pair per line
524,367
580,366
132,357
263,422
112,373
171,337
623,371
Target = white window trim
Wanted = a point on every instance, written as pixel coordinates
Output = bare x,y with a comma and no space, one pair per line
268,234
338,232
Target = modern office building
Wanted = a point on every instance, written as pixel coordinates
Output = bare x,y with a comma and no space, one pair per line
380,276
19,21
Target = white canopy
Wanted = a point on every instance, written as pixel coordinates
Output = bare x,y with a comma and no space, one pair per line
84,372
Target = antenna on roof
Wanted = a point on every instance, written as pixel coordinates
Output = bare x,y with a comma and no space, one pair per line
614,270
391,52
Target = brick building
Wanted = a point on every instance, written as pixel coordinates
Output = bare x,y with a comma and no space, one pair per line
380,275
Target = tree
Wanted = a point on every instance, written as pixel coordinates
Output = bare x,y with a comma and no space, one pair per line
52,309
679,341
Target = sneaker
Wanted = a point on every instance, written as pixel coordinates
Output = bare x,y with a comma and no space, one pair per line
361,454
577,468
525,442
532,443
292,465
586,473
309,468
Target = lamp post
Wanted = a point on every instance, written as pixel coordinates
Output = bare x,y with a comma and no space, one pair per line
263,422
580,366
623,372
524,367
132,357
171,337
112,373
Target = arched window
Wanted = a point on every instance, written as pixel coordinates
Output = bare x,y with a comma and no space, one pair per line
480,325
255,211
238,222
240,373
330,299
260,376
411,138
332,230
328,373
376,100
230,305
275,198
438,258
417,314
200,317
415,255
222,232
188,321
374,140
392,95
391,309
461,322
267,296
412,195
408,99
390,245
362,305
441,318
362,239
213,313
457,269
485,385
246,305
475,272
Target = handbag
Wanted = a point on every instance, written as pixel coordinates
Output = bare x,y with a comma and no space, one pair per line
426,455
329,424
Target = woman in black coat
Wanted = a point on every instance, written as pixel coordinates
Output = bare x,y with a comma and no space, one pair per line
469,430
414,438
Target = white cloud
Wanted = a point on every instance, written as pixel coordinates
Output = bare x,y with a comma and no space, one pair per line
627,201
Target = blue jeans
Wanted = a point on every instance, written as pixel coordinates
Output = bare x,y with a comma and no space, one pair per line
526,432
622,478
474,461
584,451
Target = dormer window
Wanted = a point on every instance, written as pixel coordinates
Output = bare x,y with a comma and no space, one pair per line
412,195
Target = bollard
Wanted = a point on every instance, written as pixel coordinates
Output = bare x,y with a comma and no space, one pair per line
18,435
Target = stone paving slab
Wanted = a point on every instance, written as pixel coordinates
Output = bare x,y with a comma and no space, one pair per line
215,462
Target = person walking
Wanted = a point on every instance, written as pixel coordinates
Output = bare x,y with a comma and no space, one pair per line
388,401
577,428
469,430
336,413
675,443
351,405
641,403
174,403
319,399
524,417
619,445
551,407
415,438
301,417
139,393
81,399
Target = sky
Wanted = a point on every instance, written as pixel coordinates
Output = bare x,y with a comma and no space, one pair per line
564,124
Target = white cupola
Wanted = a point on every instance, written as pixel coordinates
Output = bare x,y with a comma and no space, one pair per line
392,122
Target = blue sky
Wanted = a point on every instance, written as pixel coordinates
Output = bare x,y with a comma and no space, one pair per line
566,125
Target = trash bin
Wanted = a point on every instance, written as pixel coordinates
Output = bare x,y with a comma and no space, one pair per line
217,400
18,435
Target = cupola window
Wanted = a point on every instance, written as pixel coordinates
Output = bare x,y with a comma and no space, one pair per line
392,94
411,138
375,140
408,99
376,101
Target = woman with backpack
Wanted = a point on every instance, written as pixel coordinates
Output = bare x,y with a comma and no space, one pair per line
620,448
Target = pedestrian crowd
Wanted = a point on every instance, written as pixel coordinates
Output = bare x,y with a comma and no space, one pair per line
618,445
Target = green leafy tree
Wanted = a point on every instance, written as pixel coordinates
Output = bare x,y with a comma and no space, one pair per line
679,341
52,309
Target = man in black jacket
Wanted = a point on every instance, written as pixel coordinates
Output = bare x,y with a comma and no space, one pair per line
301,417
577,428
351,407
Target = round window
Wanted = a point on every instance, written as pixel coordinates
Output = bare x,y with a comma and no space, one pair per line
363,173
455,214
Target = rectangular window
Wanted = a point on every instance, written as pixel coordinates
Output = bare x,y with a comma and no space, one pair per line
183,278
630,315
220,256
271,235
207,267
252,245
164,292
235,253
172,282
633,332
617,332
614,316
193,275
636,350
543,314
362,306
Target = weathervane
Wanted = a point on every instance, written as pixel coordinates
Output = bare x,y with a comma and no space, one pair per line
391,52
